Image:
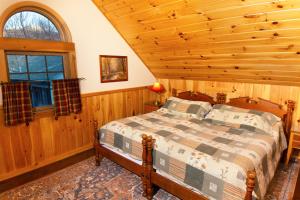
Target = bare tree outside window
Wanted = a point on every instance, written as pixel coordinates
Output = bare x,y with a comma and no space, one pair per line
31,25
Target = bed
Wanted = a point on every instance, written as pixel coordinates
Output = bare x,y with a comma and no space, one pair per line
199,158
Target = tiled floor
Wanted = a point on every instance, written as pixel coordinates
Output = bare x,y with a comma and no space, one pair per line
110,181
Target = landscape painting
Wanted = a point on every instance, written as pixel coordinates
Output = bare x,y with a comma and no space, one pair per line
113,68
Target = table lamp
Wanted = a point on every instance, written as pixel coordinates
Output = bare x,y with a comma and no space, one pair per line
158,89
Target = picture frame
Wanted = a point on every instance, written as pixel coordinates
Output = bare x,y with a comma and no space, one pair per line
113,68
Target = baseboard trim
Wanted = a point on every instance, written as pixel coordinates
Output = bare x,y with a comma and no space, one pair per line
43,171
46,162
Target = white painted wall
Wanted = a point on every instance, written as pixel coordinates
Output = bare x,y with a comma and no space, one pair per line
93,35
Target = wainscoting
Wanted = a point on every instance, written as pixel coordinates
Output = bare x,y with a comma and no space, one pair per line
276,93
46,140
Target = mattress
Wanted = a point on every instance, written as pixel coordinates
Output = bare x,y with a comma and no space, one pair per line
209,157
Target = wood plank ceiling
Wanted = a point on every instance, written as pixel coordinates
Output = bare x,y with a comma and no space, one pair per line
221,40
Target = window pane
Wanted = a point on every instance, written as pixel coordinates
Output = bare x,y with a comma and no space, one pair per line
16,63
18,77
39,70
36,63
29,24
55,63
38,76
40,94
56,76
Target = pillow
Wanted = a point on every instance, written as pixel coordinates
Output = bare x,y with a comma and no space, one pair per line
245,118
196,109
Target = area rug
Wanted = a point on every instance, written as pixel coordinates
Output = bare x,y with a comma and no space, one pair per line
110,181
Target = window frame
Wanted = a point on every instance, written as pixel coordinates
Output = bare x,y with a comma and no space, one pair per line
43,53
32,46
46,11
65,66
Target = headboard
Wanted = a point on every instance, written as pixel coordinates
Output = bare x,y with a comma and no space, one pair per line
247,103
268,106
198,96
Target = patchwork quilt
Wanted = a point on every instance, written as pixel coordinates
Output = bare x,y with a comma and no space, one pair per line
209,156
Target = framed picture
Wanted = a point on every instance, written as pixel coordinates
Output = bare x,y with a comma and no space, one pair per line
113,68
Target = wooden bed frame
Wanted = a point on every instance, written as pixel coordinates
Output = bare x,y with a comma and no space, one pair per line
146,171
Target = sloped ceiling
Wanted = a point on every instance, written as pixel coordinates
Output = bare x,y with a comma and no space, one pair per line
226,40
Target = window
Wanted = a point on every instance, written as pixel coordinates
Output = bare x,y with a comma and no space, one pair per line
29,24
37,49
39,70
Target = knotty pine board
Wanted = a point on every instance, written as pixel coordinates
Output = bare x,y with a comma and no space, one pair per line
254,41
46,140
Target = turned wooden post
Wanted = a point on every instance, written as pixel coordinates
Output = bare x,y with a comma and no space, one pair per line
250,182
149,167
98,157
144,157
174,92
221,98
289,117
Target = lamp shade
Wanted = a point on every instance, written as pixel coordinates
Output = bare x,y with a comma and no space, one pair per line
157,87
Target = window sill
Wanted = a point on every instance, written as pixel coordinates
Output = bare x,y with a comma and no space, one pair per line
43,111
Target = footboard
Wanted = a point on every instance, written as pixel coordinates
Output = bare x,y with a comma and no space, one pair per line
153,178
140,170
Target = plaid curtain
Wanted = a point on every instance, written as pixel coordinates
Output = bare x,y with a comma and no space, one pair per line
66,96
16,103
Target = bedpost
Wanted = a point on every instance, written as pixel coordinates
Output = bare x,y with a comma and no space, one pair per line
98,157
144,157
174,92
149,168
250,182
221,98
289,117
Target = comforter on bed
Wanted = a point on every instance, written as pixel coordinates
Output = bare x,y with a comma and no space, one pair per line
208,156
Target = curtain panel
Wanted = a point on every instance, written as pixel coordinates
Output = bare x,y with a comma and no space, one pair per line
67,97
16,103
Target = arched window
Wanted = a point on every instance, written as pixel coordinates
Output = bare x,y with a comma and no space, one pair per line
37,48
31,25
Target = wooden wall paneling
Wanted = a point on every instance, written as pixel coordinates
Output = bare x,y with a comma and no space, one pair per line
132,8
221,35
185,27
232,40
35,131
6,158
22,153
47,137
46,140
199,48
104,103
158,17
78,131
111,107
118,104
222,26
68,140
226,79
